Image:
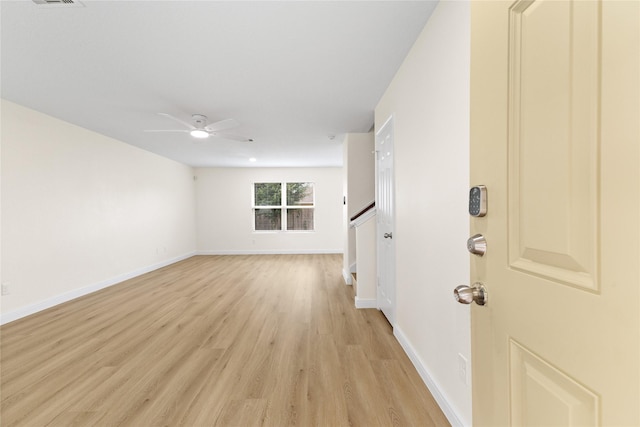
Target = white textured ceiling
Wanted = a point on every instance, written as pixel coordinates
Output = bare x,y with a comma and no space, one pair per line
290,72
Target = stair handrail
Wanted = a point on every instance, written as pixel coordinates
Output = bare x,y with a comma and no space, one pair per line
364,211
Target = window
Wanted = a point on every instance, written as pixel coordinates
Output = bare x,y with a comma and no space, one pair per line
283,206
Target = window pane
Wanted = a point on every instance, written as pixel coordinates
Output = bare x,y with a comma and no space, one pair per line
299,194
268,219
267,194
300,219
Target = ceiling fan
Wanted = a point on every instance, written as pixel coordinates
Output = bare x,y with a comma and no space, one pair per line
200,129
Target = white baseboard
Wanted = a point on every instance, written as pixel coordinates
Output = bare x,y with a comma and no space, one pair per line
348,279
269,252
366,303
76,293
431,384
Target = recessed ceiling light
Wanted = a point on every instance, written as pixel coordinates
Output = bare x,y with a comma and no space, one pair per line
253,159
199,133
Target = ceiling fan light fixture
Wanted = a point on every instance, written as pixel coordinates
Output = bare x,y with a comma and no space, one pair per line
199,133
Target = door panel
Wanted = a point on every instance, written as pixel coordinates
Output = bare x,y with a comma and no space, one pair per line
555,137
543,395
553,127
385,218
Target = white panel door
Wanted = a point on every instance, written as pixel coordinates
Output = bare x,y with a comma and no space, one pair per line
385,218
555,137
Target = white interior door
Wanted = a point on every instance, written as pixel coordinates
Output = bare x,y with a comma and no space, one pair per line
555,137
385,219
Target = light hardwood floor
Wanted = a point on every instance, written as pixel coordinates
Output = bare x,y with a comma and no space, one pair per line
269,340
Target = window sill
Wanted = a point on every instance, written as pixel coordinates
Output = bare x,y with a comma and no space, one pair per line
283,231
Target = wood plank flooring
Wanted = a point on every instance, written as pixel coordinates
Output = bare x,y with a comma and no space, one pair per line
269,340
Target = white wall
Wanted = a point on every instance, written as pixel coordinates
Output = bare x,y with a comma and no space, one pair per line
429,98
225,218
81,211
366,283
360,170
359,176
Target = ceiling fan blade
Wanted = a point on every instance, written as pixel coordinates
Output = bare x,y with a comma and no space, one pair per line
231,137
182,122
221,125
167,130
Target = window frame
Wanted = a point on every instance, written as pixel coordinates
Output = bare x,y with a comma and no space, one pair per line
283,207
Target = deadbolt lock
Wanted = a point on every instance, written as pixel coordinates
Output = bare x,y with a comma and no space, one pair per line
477,244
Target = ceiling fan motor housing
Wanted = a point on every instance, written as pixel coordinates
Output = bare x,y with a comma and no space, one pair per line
199,120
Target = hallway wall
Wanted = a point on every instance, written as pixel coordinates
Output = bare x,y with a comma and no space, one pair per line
429,98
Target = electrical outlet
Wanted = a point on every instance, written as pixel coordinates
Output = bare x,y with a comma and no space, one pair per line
6,290
462,368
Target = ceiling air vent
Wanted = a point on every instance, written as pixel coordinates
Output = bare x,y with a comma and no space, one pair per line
59,3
